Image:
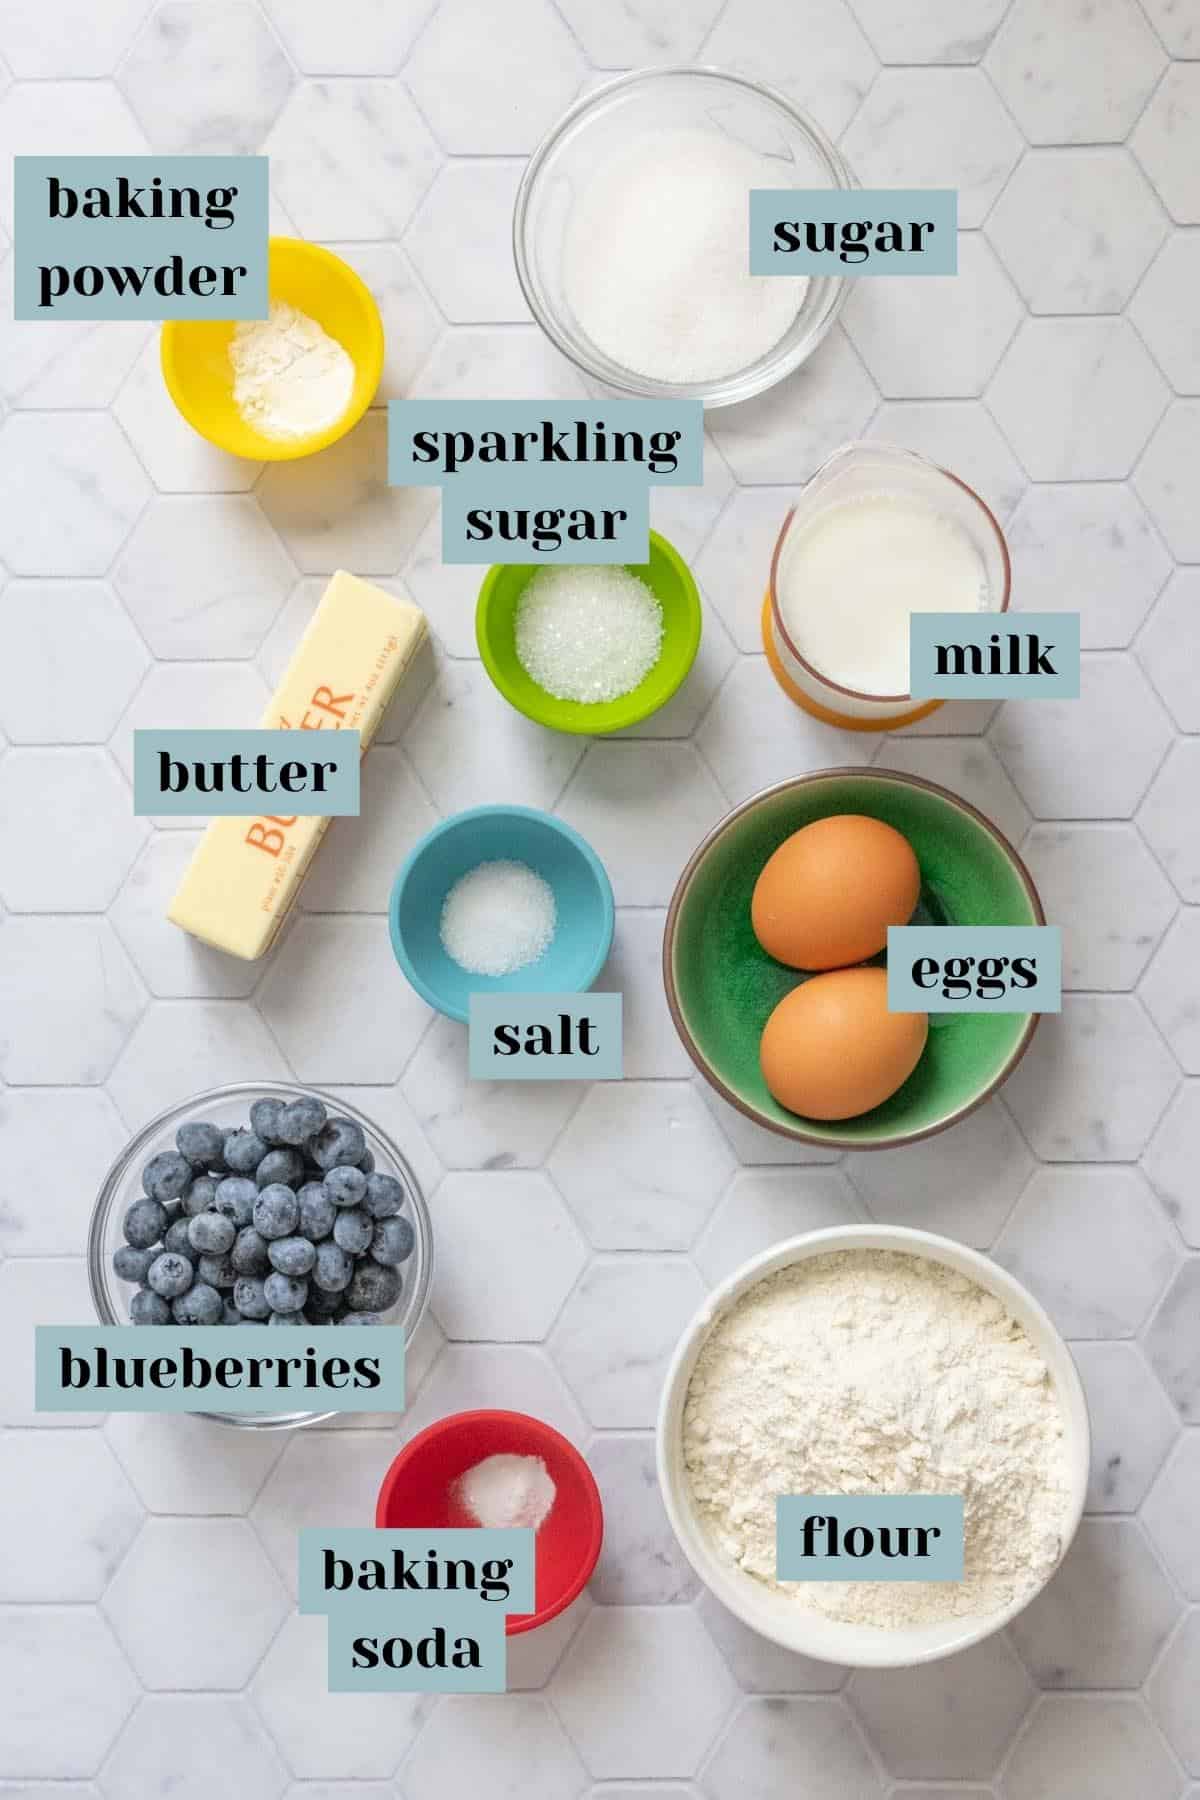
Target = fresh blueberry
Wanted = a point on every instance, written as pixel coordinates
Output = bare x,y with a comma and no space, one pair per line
285,1166
145,1223
353,1229
177,1241
244,1150
171,1275
346,1187
201,1305
149,1308
322,1304
287,1318
229,1313
131,1264
333,1268
276,1211
284,1292
363,1318
201,1143
166,1175
340,1142
300,1122
235,1197
249,1253
385,1196
366,1163
211,1233
200,1195
249,1298
373,1288
392,1242
218,1271
317,1211
292,1255
264,1120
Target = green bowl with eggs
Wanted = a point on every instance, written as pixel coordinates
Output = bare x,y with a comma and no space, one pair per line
670,580
722,986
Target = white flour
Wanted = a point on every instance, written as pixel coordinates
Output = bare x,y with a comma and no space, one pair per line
290,378
869,1372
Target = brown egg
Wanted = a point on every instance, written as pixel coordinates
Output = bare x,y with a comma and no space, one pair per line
831,1049
826,897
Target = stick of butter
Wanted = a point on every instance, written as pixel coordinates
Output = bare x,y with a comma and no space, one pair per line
246,872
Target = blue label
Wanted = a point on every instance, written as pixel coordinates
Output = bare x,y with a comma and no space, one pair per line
222,1368
545,1037
869,1537
974,968
571,518
520,442
363,1568
856,231
426,1649
284,774
140,237
994,656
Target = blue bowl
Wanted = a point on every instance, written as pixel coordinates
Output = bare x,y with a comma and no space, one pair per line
582,896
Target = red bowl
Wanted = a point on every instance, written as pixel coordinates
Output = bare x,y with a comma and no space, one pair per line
418,1493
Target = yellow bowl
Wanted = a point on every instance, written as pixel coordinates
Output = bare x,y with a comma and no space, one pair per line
195,352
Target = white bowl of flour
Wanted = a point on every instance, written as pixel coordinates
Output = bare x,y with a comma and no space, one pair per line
873,1359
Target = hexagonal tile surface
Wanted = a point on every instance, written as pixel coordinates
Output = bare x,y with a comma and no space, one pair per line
48,1218
1171,990
211,696
617,1331
466,77
67,1521
512,1255
360,855
324,1480
947,1722
35,1292
960,435
966,766
180,1049
469,747
74,662
1103,880
1057,92
1161,478
1161,138
1159,311
410,322
482,1124
344,1735
379,1020
1169,1514
1076,229
174,1741
351,159
641,1563
69,1689
177,459
773,1743
69,38
1162,648
657,1670
634,966
1170,1161
1133,1424
1171,1693
213,1577
1172,1341
206,80
963,1184
1164,821
823,62
1093,537
1104,1617
335,510
759,1666
76,993
919,127
203,576
1093,1246
470,200
763,1206
80,363
787,432
69,832
183,1464
1077,398
171,962
491,1744
363,38
1061,1092
1124,1753
642,853
514,1377
1176,25
639,34
641,1165
74,488
946,339
64,118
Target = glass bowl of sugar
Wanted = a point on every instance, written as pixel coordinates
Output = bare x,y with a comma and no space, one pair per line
631,231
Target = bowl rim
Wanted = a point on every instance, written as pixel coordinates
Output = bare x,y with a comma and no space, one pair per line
727,390
494,809
880,1649
688,637
124,1160
289,449
595,1506
798,1133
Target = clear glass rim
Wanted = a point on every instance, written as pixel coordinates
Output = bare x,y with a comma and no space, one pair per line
418,1300
729,389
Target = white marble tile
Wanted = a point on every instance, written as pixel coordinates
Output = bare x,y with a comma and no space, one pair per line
1077,398
735,564
642,1691
69,833
959,435
470,747
509,1255
764,1206
359,37
183,1464
1077,229
758,1665
686,515
822,61
643,851
1171,1158
461,241
1172,1341
1162,142
206,80
755,735
177,459
1170,990
172,963
1062,1093
388,1108
634,970
378,1019
786,433
1133,1424
617,1331
1162,478
774,1744
64,118
935,127
534,1655
1093,1245
1171,1693
72,662
506,1747
199,696
68,37
950,1721
67,1518
1104,1617
1162,315
76,994
1170,1511
1164,817
962,1183
75,363
1079,78
688,705
1176,24
641,32
182,1047
73,488
494,92
326,1481
335,510
943,335
1087,547
751,1143
361,855
513,1377
351,159
203,576
1124,1753
410,323
641,1165
641,1563
933,31
214,1578
1108,895
40,1217
968,767
482,1124
173,1743
69,1690
499,363
446,592
1163,649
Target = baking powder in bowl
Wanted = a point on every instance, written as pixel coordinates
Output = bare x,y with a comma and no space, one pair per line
875,1372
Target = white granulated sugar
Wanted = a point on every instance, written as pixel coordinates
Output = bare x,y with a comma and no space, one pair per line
870,1372
497,918
656,258
588,634
290,378
505,1492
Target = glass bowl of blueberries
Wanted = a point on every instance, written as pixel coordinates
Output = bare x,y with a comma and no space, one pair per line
261,1205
